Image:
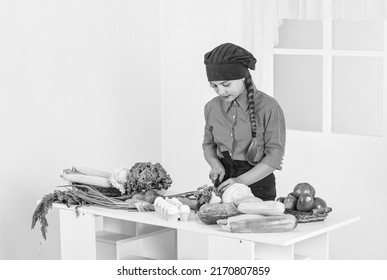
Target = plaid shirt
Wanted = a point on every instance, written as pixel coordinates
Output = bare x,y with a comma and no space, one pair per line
228,128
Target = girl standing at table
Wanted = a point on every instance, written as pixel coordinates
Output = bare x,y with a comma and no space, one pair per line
244,138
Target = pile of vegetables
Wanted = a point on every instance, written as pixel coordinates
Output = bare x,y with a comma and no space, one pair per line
240,211
235,210
140,178
210,194
115,190
302,201
207,194
73,195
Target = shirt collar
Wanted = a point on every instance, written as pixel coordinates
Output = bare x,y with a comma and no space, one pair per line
241,101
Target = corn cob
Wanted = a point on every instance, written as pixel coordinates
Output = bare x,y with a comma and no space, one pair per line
79,178
91,171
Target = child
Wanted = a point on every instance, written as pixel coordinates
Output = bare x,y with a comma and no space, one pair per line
244,138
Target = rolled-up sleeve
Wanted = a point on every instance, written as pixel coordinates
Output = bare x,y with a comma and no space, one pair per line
275,136
208,139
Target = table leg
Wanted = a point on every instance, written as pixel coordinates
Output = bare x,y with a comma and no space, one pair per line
77,235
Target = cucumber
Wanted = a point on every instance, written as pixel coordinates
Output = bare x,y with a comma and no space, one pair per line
268,224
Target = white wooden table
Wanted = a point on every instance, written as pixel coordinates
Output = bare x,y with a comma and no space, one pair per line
101,233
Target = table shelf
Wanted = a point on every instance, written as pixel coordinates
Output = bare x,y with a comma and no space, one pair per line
118,246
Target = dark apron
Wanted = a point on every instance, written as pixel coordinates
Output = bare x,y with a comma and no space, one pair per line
264,188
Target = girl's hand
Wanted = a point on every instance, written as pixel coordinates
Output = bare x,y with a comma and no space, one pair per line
222,187
217,172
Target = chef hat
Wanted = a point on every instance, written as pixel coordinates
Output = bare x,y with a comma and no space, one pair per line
228,62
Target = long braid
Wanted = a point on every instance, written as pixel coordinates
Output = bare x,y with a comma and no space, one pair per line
252,149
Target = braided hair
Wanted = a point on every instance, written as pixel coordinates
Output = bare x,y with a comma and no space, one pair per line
253,147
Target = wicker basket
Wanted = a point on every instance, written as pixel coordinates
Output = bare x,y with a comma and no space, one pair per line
311,216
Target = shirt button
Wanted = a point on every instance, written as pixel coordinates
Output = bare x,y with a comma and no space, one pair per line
233,117
231,134
230,154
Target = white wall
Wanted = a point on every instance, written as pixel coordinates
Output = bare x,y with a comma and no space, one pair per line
348,171
79,85
190,29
